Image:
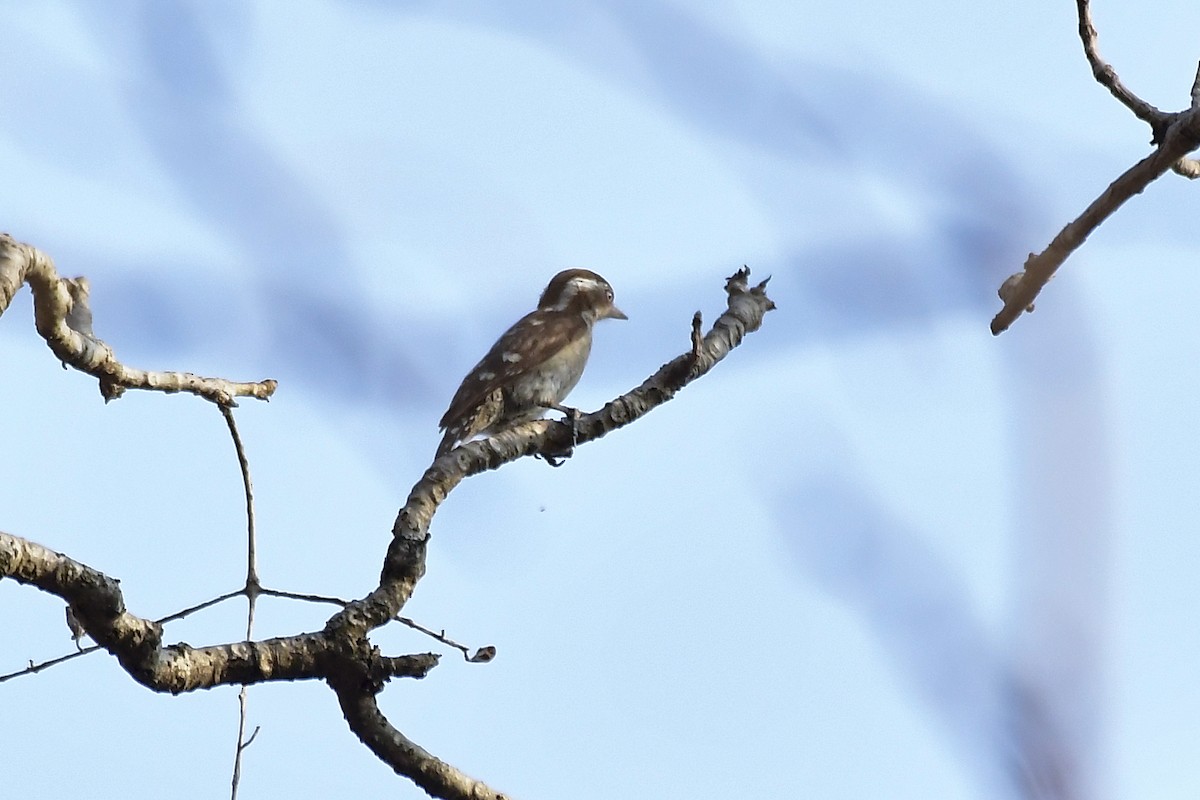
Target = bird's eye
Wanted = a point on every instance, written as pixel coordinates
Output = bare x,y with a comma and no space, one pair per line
608,295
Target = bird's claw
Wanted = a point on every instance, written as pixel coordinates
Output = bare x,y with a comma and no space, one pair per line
572,416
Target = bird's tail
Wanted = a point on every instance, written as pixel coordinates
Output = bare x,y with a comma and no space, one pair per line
448,442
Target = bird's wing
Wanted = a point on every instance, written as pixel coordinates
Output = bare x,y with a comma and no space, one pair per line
531,341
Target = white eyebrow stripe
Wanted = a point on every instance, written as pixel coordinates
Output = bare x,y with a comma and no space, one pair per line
573,287
580,283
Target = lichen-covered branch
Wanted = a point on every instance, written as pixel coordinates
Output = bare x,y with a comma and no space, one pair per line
407,758
341,653
405,562
98,605
64,319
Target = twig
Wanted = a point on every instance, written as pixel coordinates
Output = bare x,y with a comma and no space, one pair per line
32,668
1024,287
76,628
200,606
252,589
308,598
1106,76
242,744
482,655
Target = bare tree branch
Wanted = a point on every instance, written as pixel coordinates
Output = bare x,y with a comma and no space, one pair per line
1021,289
1106,76
417,665
342,654
402,754
64,320
404,564
187,612
137,643
1176,135
242,743
253,586
480,656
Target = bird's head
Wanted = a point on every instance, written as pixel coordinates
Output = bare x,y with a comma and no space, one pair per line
581,291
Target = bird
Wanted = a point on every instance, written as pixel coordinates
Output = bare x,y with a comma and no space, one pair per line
534,365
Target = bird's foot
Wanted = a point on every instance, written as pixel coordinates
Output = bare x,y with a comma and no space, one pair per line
572,418
554,461
573,415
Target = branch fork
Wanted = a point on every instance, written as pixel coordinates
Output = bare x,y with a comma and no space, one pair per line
1174,133
341,654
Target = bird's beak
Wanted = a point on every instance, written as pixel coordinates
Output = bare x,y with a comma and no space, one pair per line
615,313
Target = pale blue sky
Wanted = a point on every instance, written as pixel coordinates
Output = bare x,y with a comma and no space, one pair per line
876,553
